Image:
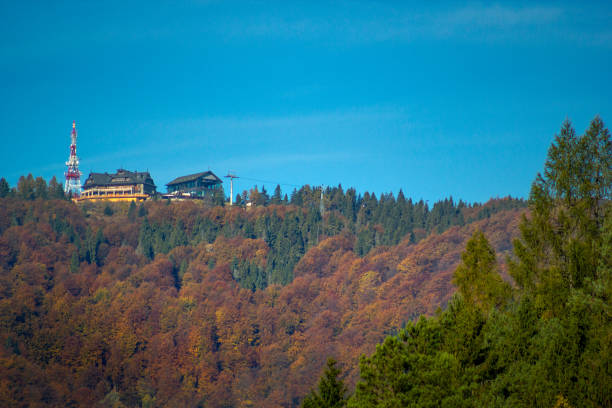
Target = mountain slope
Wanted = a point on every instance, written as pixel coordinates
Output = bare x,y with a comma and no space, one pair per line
88,318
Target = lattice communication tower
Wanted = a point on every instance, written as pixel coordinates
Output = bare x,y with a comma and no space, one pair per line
73,175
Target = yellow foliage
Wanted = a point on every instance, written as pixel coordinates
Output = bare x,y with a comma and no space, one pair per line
187,303
220,315
300,362
195,344
297,344
368,280
562,402
408,266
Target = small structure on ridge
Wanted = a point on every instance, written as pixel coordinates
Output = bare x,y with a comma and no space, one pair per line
198,185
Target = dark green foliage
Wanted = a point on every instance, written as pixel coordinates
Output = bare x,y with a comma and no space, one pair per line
178,237
510,358
296,198
5,189
276,197
25,188
415,369
331,391
182,270
249,275
145,240
89,249
265,198
477,278
74,262
559,245
546,342
132,211
333,225
218,197
443,215
40,188
494,206
56,191
30,188
142,210
366,240
259,198
377,222
385,221
287,238
289,233
547,345
108,211
162,238
205,230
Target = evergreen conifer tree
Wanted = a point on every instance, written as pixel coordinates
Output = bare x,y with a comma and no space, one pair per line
56,191
331,391
132,211
477,277
25,187
218,196
559,243
277,196
74,262
178,237
40,188
142,211
5,189
264,197
296,197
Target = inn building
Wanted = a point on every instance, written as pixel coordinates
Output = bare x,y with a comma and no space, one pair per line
198,185
123,185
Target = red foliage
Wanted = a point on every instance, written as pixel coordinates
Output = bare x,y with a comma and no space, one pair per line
132,326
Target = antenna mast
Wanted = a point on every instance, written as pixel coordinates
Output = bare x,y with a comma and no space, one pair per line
73,175
231,176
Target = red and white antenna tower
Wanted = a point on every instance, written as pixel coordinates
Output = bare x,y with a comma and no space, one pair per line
73,175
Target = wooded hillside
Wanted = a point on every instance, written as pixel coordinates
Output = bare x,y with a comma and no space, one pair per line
184,305
545,341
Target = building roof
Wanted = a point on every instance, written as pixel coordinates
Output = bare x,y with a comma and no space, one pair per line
207,175
121,177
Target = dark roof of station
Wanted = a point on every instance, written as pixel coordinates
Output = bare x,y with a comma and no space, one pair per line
206,175
121,177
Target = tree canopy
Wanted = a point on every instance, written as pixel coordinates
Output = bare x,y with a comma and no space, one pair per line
544,343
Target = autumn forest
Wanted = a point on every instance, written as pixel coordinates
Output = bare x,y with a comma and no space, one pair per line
187,304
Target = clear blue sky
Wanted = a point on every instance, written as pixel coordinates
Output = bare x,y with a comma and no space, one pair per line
458,100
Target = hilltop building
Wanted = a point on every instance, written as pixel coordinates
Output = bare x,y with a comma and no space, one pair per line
124,185
197,185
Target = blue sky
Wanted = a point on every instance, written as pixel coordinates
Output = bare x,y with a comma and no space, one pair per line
458,100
